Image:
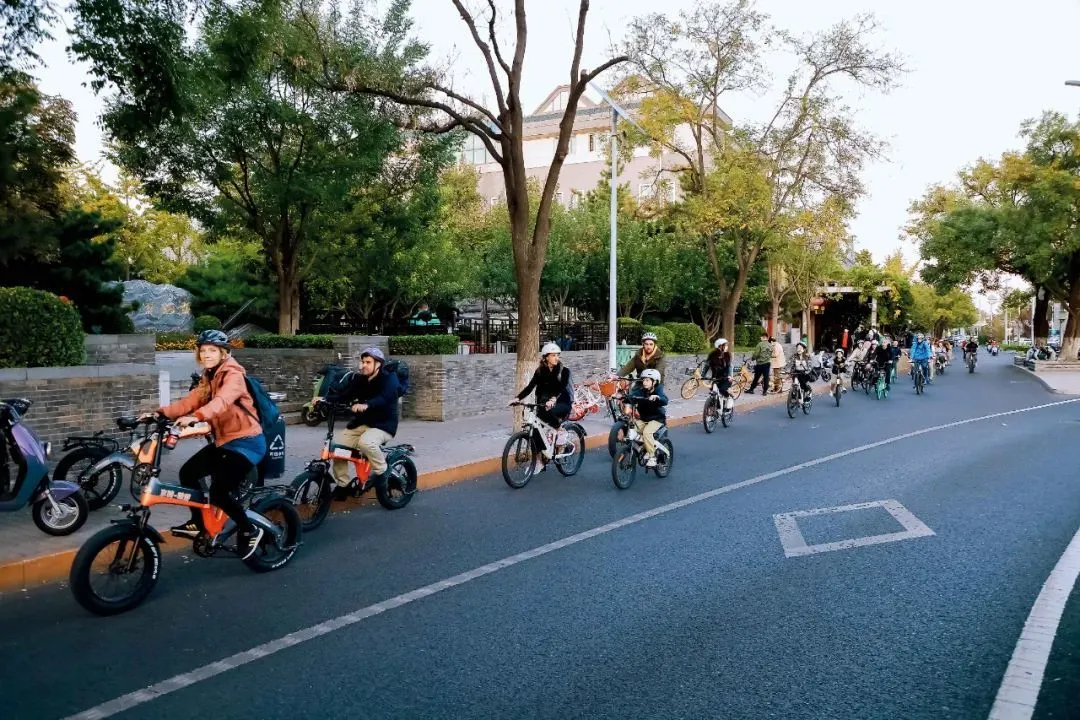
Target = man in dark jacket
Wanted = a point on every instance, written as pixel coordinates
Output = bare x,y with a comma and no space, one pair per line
373,396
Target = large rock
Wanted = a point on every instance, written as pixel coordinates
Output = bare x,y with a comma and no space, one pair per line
162,308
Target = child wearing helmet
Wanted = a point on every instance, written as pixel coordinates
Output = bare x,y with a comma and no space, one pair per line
651,357
221,399
554,393
649,399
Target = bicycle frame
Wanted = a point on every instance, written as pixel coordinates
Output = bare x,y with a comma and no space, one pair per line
331,451
531,419
217,524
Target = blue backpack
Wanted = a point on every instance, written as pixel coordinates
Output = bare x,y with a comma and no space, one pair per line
399,368
273,427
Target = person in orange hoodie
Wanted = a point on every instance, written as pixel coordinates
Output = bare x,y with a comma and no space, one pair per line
221,399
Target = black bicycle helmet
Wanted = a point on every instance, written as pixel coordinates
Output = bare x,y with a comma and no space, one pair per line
213,337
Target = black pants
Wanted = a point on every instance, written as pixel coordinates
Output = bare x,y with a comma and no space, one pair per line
804,381
226,469
723,385
553,417
761,372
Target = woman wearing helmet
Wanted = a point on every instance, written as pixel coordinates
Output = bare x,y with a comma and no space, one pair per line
719,362
554,393
799,368
651,357
649,398
221,399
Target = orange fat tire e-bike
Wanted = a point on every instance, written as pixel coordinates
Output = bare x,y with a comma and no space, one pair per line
128,550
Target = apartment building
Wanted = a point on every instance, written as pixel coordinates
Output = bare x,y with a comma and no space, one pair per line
588,155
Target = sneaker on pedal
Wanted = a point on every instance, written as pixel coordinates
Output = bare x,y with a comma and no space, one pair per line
247,543
190,529
650,461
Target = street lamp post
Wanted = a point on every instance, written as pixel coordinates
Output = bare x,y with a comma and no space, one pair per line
616,113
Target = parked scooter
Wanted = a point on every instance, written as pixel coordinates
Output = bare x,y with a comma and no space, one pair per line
314,413
58,507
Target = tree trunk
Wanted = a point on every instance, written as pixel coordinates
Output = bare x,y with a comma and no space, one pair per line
288,301
1070,341
1042,322
774,317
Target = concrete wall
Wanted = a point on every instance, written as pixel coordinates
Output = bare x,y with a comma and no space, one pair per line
446,387
293,371
113,349
80,400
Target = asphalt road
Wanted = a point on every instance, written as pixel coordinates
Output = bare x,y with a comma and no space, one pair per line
692,612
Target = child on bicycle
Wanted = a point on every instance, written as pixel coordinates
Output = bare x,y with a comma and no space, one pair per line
649,399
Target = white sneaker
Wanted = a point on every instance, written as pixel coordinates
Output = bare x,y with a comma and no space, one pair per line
650,461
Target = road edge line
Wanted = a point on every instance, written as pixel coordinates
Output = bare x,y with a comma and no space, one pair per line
1022,682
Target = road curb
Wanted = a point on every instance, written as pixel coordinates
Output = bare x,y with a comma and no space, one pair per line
1041,381
31,572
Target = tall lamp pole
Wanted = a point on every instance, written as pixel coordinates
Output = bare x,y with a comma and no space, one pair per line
616,113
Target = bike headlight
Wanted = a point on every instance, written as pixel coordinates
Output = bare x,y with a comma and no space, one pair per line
47,448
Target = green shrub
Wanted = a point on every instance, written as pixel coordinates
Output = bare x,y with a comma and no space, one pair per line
38,329
1014,347
206,322
424,344
174,341
747,335
664,337
628,329
317,342
689,338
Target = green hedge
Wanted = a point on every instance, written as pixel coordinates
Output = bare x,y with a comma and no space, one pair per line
424,344
747,335
300,342
1015,347
38,329
664,337
628,329
206,322
689,338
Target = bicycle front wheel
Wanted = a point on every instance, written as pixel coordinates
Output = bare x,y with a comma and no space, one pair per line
690,388
519,460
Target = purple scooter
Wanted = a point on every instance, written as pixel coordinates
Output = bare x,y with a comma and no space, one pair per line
58,507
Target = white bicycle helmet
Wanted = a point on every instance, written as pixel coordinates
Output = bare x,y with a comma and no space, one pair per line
648,336
653,375
550,349
719,343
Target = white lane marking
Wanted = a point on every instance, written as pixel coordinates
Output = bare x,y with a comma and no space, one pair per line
794,544
131,700
1023,678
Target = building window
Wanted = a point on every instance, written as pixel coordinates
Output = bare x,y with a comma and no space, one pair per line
592,143
645,190
575,199
474,152
571,149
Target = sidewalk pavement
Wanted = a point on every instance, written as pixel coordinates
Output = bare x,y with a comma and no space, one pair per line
446,452
1061,382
